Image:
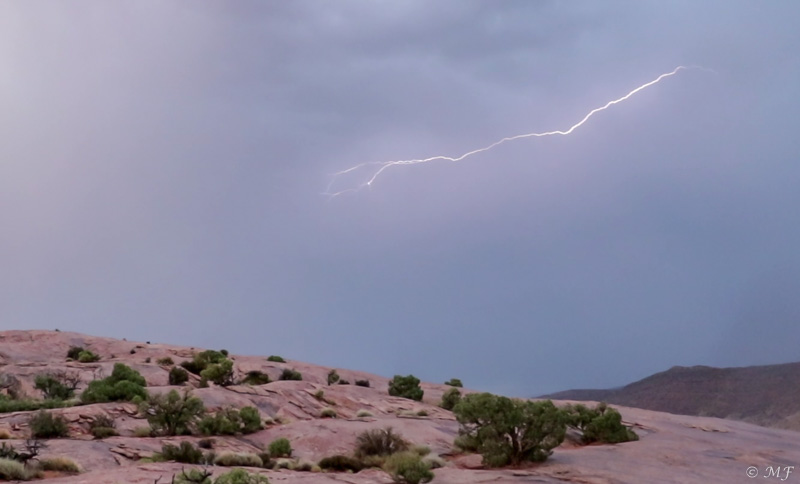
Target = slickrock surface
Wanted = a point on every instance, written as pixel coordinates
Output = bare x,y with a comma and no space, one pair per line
671,449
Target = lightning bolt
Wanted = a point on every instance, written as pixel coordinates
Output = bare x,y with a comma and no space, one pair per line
381,166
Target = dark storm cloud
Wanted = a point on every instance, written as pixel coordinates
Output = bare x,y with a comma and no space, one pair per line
161,166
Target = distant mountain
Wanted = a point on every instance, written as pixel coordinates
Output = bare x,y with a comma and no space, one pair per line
766,395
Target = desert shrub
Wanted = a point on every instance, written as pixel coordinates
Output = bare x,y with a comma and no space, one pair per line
303,466
74,352
343,382
59,464
8,452
220,373
256,377
408,468
379,442
185,453
124,384
133,351
450,398
406,387
276,359
192,476
362,383
232,459
422,413
172,413
11,470
178,376
57,385
328,413
280,447
454,382
142,432
292,374
434,461
241,476
10,405
45,425
201,361
87,356
363,413
4,435
341,463
510,431
421,450
333,377
102,426
599,424
205,443
165,361
251,420
148,360
224,353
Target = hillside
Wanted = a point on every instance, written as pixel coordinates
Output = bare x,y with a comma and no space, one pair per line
766,395
674,449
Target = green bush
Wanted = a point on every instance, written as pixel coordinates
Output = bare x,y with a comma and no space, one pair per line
124,384
220,373
454,382
201,361
276,359
45,425
379,442
341,463
450,398
166,361
230,421
333,377
192,476
178,376
74,352
510,431
11,470
408,468
362,383
186,453
87,356
256,377
406,387
103,432
172,414
280,447
9,405
59,385
234,459
241,476
599,424
59,464
292,374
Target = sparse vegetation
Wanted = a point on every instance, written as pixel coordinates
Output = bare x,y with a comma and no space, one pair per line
454,382
379,442
201,361
46,425
276,359
256,377
142,432
74,352
102,426
87,356
192,476
507,431
124,384
230,421
11,405
599,424
406,387
450,398
178,376
219,373
408,468
172,413
364,413
280,447
328,413
362,383
333,377
59,464
165,361
292,374
11,470
241,476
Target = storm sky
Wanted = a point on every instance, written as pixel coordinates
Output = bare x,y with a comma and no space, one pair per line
162,166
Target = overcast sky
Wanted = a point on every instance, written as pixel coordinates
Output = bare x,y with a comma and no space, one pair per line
162,165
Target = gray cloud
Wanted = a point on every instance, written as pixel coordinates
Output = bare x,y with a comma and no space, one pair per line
161,168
